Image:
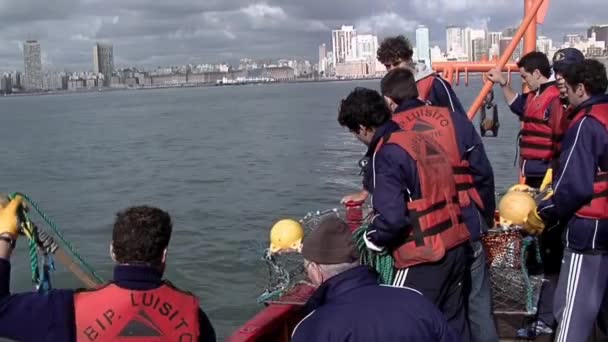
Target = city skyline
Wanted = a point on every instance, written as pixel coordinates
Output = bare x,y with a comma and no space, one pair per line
152,33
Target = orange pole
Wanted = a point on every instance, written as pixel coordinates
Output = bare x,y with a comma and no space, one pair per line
450,75
487,87
530,36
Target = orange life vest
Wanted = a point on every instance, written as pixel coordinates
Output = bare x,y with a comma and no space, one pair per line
425,85
538,140
435,217
597,209
437,123
111,313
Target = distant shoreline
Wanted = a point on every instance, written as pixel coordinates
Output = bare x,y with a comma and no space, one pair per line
185,85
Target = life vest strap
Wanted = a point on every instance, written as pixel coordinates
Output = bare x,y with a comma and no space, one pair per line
525,144
601,194
434,207
528,119
464,186
418,235
529,133
461,170
602,177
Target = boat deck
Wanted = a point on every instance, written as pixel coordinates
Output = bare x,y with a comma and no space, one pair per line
508,325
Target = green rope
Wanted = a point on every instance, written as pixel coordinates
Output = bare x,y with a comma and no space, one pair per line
33,253
526,244
59,234
383,262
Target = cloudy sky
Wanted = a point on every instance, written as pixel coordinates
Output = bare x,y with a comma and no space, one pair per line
164,32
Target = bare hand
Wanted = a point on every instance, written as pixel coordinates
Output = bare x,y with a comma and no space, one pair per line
357,197
496,76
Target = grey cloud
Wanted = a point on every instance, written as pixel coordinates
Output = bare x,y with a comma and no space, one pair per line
157,32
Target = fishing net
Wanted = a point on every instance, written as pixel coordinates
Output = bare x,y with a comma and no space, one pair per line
510,258
286,270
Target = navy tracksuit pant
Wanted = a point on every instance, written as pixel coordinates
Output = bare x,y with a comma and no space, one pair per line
582,287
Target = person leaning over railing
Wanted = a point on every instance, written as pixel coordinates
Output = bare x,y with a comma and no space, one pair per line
136,303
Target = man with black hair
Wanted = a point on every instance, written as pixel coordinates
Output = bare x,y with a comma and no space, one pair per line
136,303
580,198
416,213
551,244
541,112
474,181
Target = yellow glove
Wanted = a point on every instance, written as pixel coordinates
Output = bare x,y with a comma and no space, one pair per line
534,224
9,221
547,180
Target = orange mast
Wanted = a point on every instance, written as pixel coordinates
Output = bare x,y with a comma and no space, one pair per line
534,13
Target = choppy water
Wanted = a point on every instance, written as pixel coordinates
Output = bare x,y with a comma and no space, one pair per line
225,162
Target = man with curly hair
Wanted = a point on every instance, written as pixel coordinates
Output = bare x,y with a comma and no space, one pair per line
137,303
397,52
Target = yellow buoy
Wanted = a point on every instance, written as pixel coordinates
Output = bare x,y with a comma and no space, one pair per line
514,207
286,235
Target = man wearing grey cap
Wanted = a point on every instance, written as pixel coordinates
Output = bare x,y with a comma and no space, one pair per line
350,305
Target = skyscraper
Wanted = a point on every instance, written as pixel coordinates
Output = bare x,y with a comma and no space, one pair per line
544,45
33,65
479,48
322,66
322,52
423,45
601,32
342,43
493,43
365,46
468,35
103,61
453,40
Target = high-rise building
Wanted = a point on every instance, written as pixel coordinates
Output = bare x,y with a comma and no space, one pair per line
572,39
342,43
504,43
423,48
365,46
322,66
33,65
494,38
601,32
322,52
493,43
468,36
544,44
509,32
479,48
453,40
103,61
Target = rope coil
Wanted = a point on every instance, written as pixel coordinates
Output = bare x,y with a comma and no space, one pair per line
382,262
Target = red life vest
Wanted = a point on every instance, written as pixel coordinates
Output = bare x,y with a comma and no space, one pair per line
597,209
436,122
425,85
538,140
111,313
435,217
